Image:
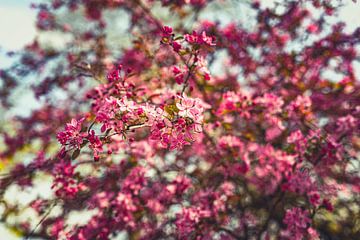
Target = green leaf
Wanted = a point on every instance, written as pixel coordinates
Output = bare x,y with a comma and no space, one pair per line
179,38
171,110
183,52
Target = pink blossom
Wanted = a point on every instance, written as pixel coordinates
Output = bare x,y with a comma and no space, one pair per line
95,144
177,46
312,28
194,38
135,181
167,31
297,222
187,220
72,134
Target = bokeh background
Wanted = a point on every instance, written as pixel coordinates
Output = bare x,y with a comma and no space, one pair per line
17,28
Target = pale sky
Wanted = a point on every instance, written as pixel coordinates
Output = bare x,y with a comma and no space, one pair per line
16,25
17,22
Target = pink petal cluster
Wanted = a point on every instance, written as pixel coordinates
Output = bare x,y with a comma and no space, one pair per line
72,134
297,221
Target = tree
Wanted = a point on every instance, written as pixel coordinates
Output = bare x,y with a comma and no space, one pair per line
187,128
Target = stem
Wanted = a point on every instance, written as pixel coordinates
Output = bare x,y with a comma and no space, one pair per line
41,221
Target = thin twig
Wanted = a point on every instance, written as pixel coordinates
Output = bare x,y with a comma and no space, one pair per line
41,221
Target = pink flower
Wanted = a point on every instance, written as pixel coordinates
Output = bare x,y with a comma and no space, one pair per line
312,28
300,107
314,198
176,46
95,144
57,228
114,75
194,38
347,123
64,183
313,234
126,105
207,39
124,208
167,31
327,204
191,38
187,220
300,182
72,134
179,75
192,108
155,205
176,70
135,181
297,222
179,185
295,137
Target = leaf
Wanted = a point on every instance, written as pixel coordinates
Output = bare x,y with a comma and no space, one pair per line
183,52
17,232
171,110
84,129
84,143
179,38
75,154
108,131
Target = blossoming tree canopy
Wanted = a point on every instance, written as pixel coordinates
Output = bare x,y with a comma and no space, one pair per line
192,122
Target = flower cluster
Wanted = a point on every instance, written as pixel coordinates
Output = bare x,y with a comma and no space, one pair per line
65,184
297,222
179,122
200,39
72,134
